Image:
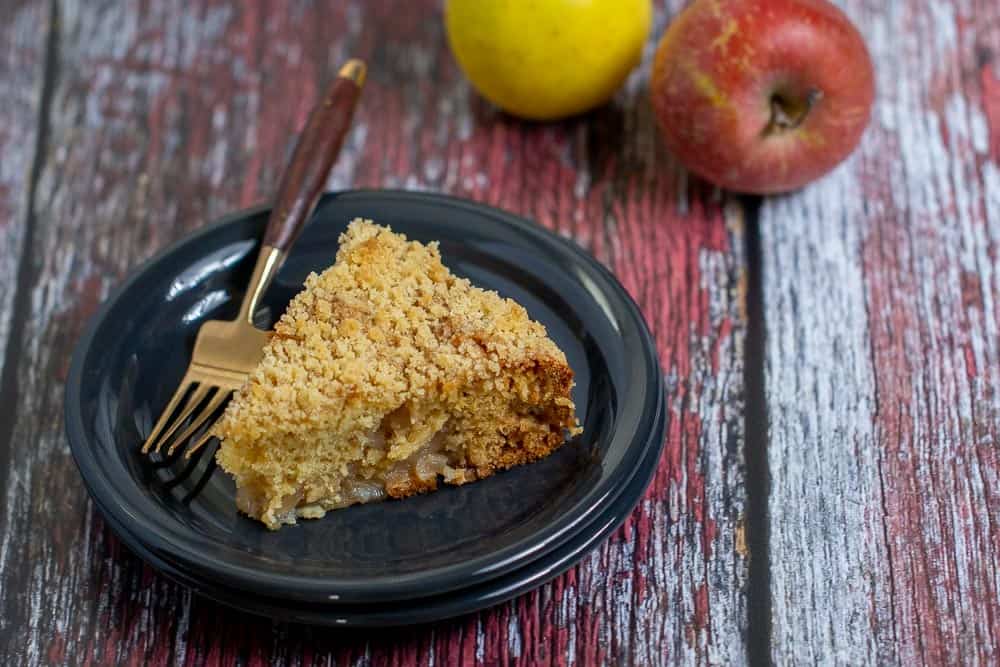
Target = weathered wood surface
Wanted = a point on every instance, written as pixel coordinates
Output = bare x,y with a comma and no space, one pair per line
167,114
22,64
883,362
22,69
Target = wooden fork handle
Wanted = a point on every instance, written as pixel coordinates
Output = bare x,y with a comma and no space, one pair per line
315,153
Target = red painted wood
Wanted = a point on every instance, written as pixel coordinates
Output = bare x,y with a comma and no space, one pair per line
166,115
881,287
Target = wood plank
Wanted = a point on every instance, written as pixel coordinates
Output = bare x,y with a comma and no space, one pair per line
23,39
22,65
168,114
881,285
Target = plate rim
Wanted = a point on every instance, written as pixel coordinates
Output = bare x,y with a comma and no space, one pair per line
385,587
515,583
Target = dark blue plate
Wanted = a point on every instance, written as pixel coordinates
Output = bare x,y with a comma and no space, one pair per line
130,359
419,610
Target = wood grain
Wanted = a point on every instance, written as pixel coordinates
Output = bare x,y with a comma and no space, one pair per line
881,285
22,64
168,114
23,28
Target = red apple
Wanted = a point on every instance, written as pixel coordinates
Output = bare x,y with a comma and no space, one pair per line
762,95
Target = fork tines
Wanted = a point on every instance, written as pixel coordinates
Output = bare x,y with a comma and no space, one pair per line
200,402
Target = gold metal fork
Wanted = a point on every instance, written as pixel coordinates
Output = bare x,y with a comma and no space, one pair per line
226,352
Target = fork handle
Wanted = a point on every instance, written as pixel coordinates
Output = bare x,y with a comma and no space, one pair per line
305,177
315,153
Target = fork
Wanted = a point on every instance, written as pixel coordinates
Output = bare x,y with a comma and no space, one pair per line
225,352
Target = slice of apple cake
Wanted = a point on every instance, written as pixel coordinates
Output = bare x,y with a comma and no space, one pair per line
385,374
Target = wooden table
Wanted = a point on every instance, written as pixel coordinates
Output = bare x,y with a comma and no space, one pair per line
830,490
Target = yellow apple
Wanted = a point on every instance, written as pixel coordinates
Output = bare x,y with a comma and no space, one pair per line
547,59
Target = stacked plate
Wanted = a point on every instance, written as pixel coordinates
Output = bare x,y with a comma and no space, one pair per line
446,553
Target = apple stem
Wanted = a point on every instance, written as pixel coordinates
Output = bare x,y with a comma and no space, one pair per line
789,113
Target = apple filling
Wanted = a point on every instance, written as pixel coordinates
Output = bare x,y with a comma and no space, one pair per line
401,457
